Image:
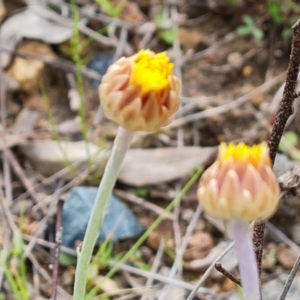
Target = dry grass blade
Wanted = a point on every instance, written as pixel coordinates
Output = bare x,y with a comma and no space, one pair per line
179,255
156,263
146,204
226,107
290,279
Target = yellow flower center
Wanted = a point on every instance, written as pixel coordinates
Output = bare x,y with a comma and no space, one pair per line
254,155
151,71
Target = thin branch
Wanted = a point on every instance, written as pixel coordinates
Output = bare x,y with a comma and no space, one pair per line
59,63
23,178
286,105
227,274
226,107
58,239
145,204
43,222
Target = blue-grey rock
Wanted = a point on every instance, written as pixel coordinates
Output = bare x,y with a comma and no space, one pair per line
283,164
119,222
100,65
273,289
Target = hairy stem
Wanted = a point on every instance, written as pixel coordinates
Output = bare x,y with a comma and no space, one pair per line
284,112
121,144
247,263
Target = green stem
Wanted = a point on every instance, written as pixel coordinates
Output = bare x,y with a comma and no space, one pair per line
121,144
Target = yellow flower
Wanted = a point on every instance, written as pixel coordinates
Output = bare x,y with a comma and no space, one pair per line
240,184
140,92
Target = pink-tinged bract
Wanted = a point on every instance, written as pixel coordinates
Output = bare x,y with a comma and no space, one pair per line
240,184
140,92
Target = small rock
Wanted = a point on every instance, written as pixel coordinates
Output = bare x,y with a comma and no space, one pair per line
286,256
10,84
189,39
74,100
283,164
31,23
27,72
100,64
10,140
272,289
70,128
130,11
162,164
163,230
107,285
119,222
187,214
295,233
67,277
25,121
247,71
158,165
235,59
199,246
48,156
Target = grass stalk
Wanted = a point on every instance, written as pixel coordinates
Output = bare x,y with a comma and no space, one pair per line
76,54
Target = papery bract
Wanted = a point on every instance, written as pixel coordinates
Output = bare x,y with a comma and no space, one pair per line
140,92
240,184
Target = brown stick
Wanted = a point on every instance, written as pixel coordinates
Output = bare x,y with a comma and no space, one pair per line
226,273
58,239
284,112
21,175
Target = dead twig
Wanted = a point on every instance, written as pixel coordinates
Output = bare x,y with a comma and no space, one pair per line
140,201
23,178
227,274
43,223
59,63
185,242
58,239
46,276
6,168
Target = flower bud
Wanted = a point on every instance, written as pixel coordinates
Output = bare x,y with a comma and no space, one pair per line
240,184
140,92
